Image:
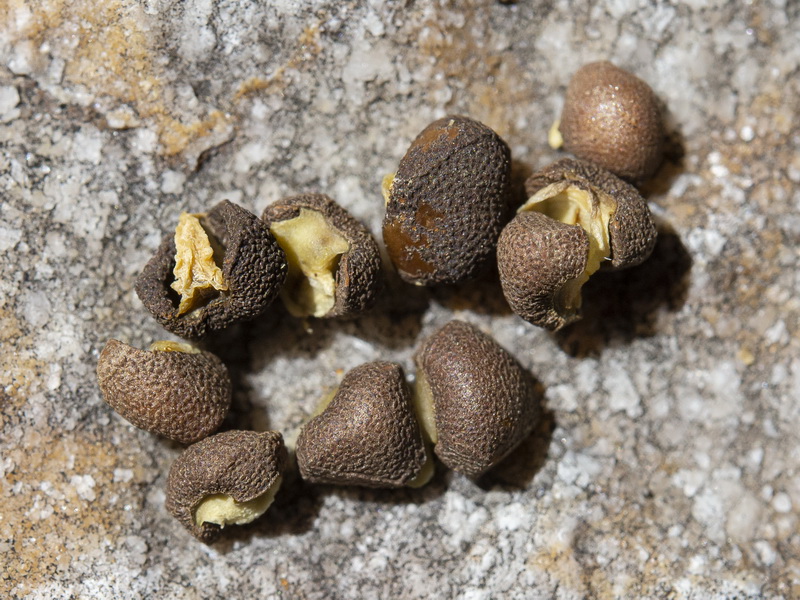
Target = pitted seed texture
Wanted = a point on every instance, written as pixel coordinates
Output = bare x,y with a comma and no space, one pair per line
173,389
447,203
578,217
227,479
216,269
334,262
367,434
612,118
477,403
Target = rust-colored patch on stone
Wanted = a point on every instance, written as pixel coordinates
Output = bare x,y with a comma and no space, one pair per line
114,57
60,498
308,48
20,371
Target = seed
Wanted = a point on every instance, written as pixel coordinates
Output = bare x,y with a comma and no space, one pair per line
578,217
447,202
173,389
367,434
334,262
230,478
476,402
612,118
216,269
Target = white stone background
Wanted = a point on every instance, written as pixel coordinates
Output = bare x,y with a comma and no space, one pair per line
668,464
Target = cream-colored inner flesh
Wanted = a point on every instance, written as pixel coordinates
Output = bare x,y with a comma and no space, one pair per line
170,346
554,137
386,187
313,250
422,401
574,206
425,473
324,402
223,510
198,278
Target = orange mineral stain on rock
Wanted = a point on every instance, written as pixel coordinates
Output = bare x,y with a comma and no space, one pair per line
20,371
112,56
308,48
60,501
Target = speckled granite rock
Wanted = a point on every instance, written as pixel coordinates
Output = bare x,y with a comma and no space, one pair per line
667,466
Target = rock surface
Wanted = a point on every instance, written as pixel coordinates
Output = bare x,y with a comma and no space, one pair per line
667,466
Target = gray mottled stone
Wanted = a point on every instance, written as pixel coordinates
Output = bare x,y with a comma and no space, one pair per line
667,466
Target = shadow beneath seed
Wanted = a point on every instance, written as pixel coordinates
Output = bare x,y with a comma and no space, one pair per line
674,159
517,470
483,295
435,488
624,305
293,512
396,319
519,174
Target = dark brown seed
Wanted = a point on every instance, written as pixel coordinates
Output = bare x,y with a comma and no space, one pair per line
230,477
341,279
250,261
579,216
484,402
367,435
447,202
175,390
612,118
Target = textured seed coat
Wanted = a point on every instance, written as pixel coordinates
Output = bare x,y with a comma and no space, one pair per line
240,464
358,278
253,269
184,396
447,202
485,403
367,435
612,118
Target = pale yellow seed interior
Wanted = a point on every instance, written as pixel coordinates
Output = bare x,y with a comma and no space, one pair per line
573,206
223,510
554,137
386,186
197,276
425,473
422,400
313,249
422,403
170,346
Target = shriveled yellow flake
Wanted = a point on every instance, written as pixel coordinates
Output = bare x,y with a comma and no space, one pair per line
313,249
197,276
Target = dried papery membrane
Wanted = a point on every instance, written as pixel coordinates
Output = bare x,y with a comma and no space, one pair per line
198,278
171,346
313,250
422,399
252,264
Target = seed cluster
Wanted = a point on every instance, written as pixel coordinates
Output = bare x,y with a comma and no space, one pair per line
448,216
